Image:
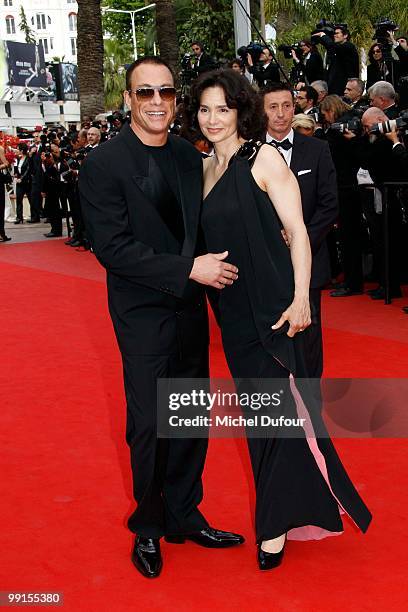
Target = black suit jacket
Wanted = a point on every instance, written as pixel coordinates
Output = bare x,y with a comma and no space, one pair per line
154,306
310,70
343,64
264,75
206,63
313,167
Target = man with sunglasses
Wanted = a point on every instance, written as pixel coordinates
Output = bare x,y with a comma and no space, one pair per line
141,198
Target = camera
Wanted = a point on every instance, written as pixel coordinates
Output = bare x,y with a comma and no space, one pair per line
287,50
385,127
353,125
324,26
253,49
186,61
382,27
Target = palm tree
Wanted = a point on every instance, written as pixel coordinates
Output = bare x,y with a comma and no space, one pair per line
90,57
117,54
167,32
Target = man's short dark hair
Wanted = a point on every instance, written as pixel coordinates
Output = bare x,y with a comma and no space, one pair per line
238,95
198,44
276,87
344,30
148,59
311,93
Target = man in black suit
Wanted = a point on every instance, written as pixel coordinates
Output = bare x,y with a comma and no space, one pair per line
353,93
266,70
382,95
310,160
342,59
141,198
375,153
202,62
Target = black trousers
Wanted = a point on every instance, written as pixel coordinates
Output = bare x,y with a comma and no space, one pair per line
36,202
166,472
351,236
22,189
53,211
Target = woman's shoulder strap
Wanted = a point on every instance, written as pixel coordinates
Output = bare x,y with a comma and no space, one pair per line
249,151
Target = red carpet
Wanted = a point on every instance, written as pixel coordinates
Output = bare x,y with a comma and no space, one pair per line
66,488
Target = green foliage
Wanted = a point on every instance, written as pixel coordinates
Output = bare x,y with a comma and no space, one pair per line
215,29
25,28
119,26
116,56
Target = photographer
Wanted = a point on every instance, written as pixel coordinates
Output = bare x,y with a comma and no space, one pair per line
265,71
382,95
322,90
335,112
22,174
51,189
306,100
375,153
309,66
353,93
201,61
399,152
380,70
342,58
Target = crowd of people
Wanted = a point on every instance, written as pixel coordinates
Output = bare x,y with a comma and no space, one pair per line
331,104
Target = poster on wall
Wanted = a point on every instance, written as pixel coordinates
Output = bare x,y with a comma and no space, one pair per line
69,82
25,64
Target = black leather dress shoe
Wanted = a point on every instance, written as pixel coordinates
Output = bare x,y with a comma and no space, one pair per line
267,560
345,292
146,556
405,309
76,243
208,537
52,235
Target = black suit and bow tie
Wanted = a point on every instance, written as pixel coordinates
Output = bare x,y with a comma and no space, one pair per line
159,315
312,165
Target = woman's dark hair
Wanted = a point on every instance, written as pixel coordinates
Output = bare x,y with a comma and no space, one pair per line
23,148
238,95
308,42
371,52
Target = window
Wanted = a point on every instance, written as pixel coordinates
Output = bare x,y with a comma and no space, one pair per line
41,20
51,43
71,1
44,43
72,20
10,24
8,2
73,46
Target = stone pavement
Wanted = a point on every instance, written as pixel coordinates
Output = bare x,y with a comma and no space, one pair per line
27,232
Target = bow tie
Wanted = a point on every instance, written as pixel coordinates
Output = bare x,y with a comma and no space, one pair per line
285,144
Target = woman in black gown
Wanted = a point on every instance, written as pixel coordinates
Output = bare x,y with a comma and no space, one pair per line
249,195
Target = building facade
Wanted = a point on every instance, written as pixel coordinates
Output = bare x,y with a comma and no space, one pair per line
53,23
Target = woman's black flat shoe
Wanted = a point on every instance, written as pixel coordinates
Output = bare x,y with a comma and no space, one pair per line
267,560
4,238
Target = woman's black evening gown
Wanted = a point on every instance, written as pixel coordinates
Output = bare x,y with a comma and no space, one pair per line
301,484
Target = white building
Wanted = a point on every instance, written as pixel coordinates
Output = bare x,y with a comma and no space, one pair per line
53,22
